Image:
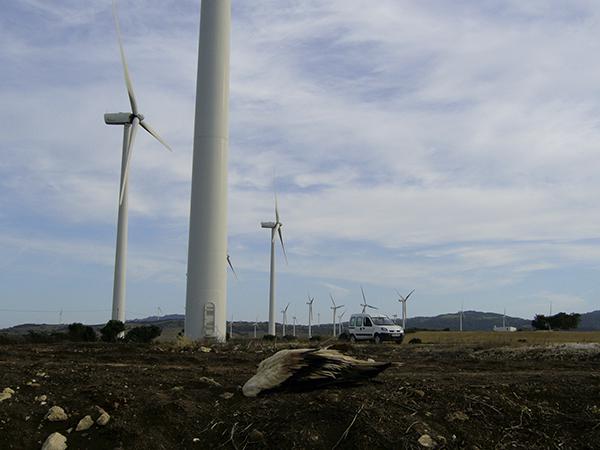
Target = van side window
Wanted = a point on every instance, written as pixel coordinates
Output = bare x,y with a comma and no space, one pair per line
368,322
358,321
353,321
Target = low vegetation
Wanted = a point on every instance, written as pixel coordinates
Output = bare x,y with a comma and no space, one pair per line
143,334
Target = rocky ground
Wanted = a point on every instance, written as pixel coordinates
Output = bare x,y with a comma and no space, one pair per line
173,397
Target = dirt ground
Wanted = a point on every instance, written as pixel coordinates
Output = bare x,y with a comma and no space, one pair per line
439,395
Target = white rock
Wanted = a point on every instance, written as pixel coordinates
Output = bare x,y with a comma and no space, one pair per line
103,419
56,414
4,396
84,423
55,441
41,398
9,390
426,441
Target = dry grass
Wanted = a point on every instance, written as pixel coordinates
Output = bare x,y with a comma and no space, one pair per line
500,338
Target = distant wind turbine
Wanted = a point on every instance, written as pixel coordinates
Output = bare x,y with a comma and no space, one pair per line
275,230
365,305
334,308
255,325
310,315
294,328
284,312
403,300
130,121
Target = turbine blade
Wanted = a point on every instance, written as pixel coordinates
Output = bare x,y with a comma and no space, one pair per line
132,132
332,300
409,295
231,266
128,82
282,246
146,126
276,209
363,294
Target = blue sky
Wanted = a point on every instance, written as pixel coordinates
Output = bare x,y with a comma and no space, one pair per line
450,147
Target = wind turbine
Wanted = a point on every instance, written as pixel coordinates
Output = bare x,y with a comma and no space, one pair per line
275,230
340,324
403,300
365,305
284,312
206,290
294,329
231,328
130,121
461,315
334,308
310,315
255,325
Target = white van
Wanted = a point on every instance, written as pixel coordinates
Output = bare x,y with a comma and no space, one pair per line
377,328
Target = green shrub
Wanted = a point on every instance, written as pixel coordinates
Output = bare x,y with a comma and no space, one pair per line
289,337
143,334
269,337
79,332
315,338
111,330
42,337
415,341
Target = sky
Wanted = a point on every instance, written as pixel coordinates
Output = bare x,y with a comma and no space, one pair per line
451,147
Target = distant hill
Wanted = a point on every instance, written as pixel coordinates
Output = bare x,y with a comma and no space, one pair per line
472,321
590,321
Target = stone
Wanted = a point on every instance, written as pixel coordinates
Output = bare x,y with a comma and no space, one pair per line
103,419
55,441
226,395
426,441
9,390
56,414
205,349
41,398
85,424
4,396
255,436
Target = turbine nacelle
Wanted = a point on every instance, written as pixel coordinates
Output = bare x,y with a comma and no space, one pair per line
268,224
121,118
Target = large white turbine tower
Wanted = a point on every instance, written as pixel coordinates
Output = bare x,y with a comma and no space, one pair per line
403,300
310,315
130,122
334,308
275,230
206,296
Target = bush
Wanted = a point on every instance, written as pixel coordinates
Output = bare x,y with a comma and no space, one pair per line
79,332
143,334
289,337
111,330
415,341
6,339
315,338
269,337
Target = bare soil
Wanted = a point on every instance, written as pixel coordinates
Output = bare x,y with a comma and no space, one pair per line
460,396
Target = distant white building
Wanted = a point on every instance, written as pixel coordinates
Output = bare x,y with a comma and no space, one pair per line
504,328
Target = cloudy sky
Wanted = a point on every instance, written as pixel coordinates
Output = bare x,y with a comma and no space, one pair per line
447,146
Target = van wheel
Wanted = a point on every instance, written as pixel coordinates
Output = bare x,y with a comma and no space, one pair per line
353,339
377,339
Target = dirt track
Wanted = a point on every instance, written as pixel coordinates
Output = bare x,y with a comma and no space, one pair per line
462,397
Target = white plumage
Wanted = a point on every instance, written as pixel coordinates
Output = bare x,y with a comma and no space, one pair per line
309,368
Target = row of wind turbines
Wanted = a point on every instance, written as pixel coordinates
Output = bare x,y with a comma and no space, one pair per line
207,250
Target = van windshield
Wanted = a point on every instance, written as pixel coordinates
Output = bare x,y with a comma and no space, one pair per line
382,321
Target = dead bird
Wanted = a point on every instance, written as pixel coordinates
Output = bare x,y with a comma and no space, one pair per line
309,368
